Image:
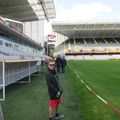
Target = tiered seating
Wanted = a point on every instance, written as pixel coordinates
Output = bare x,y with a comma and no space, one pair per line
91,49
91,46
11,52
89,41
19,57
3,56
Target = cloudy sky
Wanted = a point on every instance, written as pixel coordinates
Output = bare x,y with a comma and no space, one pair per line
84,10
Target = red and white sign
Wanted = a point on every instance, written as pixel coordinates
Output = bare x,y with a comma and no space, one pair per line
51,38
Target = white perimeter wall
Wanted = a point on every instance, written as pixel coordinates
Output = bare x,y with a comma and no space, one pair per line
92,57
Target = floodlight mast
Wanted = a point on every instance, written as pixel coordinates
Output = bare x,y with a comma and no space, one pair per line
41,2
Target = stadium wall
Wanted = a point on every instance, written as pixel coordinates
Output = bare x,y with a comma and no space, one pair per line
92,57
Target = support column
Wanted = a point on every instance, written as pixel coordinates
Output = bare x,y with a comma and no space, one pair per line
3,81
29,72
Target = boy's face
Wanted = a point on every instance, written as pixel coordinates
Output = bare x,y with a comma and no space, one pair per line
51,65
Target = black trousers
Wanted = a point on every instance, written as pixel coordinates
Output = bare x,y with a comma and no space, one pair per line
58,69
63,69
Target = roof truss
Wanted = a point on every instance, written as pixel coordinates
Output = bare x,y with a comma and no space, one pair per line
87,30
33,9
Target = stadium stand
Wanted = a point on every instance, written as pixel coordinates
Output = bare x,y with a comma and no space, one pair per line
19,56
89,41
89,47
103,49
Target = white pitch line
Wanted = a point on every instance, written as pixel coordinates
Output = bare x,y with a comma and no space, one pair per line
75,72
82,81
91,89
88,87
102,99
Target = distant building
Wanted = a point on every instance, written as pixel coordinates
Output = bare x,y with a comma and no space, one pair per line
35,30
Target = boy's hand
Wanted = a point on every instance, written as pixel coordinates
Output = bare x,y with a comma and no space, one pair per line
58,94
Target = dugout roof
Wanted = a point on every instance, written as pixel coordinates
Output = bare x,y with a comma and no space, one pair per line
87,30
27,10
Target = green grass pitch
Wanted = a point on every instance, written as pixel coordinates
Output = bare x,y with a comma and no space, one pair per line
30,101
104,78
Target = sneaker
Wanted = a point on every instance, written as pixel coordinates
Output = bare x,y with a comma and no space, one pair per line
59,116
52,119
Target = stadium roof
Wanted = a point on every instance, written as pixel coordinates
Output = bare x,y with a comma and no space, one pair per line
27,10
88,29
